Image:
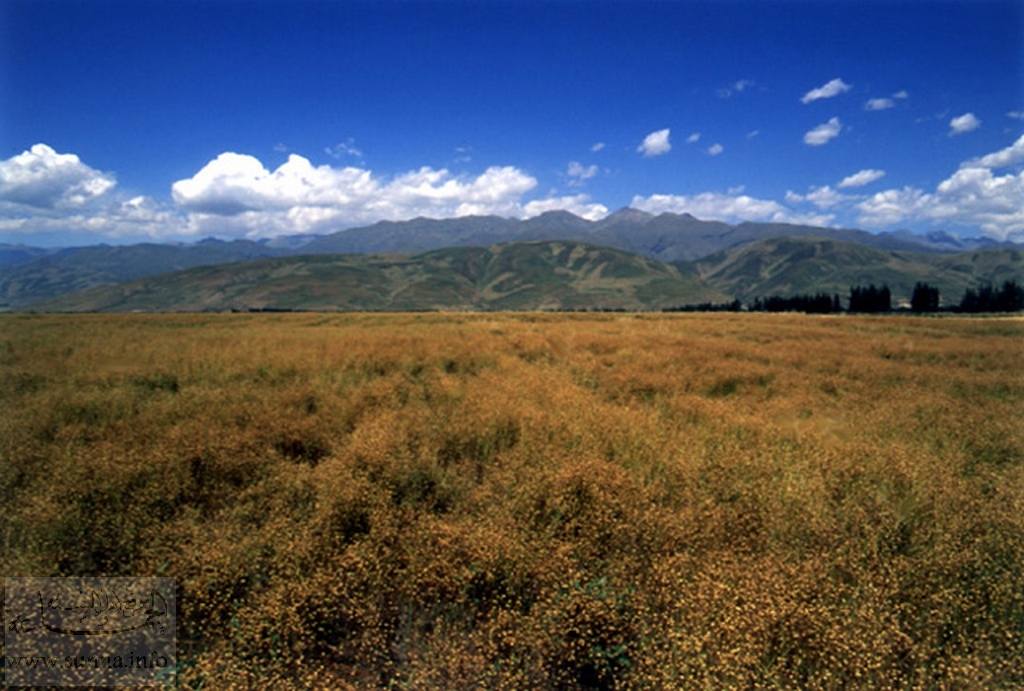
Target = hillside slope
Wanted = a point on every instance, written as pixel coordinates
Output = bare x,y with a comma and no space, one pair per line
528,275
29,276
68,271
804,265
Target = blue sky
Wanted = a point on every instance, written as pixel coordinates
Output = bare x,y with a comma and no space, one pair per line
175,120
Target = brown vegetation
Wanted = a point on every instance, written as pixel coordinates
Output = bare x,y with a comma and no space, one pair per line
535,501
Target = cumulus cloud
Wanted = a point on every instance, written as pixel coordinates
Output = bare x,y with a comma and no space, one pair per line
973,196
995,204
885,103
892,206
833,88
1016,115
861,178
44,179
963,123
578,173
597,147
693,138
236,195
823,133
656,143
135,218
299,197
822,197
977,196
730,208
1009,156
715,149
42,191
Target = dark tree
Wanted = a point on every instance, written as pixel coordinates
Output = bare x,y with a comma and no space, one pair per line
870,299
822,303
1010,298
925,298
734,306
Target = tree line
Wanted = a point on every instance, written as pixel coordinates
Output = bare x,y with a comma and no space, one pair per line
872,299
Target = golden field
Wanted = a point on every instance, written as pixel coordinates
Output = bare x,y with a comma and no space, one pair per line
535,501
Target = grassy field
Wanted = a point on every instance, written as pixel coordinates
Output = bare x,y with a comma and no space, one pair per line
514,501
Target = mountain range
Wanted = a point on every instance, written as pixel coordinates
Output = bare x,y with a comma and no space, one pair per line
415,265
529,275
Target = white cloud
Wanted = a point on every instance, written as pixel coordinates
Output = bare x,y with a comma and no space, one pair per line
963,123
42,191
715,149
886,103
597,147
233,184
892,206
972,197
236,195
861,178
136,218
655,144
879,104
693,138
343,149
976,196
726,207
823,133
44,179
833,88
578,173
1000,159
1016,115
822,197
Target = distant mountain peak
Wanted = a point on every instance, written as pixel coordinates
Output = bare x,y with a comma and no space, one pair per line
628,213
558,213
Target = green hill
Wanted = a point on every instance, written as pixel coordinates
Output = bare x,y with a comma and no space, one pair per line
806,265
514,276
57,273
30,276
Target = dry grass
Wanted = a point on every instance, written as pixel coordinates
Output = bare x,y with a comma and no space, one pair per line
535,501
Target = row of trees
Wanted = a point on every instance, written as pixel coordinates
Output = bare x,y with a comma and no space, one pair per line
734,306
872,299
822,303
1010,298
868,299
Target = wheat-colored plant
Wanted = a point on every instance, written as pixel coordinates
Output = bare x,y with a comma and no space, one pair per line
509,501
